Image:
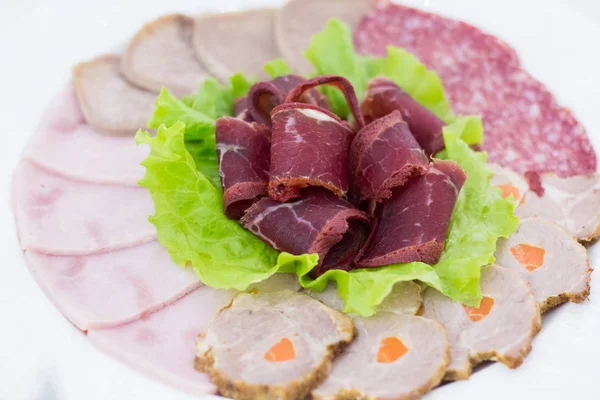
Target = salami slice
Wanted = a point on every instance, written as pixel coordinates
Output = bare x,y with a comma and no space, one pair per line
525,127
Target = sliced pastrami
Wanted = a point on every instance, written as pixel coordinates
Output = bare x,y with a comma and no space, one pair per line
240,109
243,150
384,155
318,223
413,224
384,96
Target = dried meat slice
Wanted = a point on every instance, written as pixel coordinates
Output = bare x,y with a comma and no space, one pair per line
243,149
549,259
319,223
525,127
66,145
140,280
59,216
413,223
162,54
501,328
384,155
110,103
287,361
384,96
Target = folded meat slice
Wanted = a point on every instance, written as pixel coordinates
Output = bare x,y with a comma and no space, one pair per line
66,145
109,102
140,280
383,156
59,216
298,20
501,328
243,149
319,223
509,182
413,224
396,355
236,42
384,96
549,259
285,361
162,54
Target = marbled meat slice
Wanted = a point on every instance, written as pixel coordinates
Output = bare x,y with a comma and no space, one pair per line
384,96
236,42
549,259
162,54
110,103
413,223
525,127
384,155
396,355
66,145
110,289
243,149
298,20
501,328
287,361
319,223
59,216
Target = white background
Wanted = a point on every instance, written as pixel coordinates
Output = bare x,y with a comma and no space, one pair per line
42,357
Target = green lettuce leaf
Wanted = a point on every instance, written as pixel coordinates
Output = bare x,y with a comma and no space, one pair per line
277,67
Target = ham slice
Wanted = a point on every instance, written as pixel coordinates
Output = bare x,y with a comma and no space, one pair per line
67,146
236,42
162,54
140,280
110,103
63,217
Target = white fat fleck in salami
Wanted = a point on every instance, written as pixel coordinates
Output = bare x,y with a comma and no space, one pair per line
525,128
162,54
110,289
60,216
66,145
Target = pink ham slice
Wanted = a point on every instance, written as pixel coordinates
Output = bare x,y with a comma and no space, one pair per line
66,145
110,289
64,217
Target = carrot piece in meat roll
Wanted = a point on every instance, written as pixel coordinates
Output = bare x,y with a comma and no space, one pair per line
243,151
272,345
384,96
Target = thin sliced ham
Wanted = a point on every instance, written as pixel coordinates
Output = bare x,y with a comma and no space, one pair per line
162,54
59,216
110,103
139,281
66,145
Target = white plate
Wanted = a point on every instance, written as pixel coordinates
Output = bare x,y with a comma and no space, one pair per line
43,357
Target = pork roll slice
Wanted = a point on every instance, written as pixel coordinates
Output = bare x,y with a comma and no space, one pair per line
549,259
162,54
319,223
243,150
383,156
413,223
509,182
272,345
396,355
501,328
110,103
384,96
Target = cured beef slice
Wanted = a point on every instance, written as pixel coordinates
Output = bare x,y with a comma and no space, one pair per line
243,150
413,224
525,127
286,360
162,54
319,223
384,96
383,156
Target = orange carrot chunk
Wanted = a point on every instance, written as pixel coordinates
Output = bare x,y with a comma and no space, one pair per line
531,257
281,351
478,313
509,189
391,349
